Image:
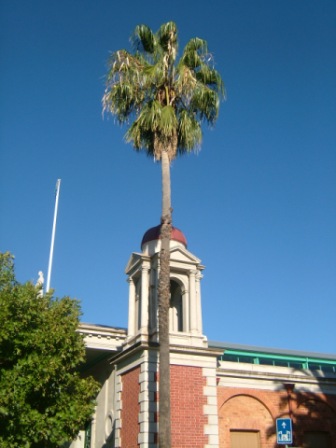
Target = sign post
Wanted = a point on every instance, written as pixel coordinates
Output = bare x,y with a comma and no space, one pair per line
284,431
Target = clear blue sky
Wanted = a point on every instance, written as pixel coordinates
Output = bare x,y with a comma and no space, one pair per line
257,204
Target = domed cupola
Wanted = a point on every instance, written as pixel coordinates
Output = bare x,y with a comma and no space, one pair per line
151,242
185,312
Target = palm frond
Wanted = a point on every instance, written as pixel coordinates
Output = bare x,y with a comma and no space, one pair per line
189,132
123,65
126,84
193,53
150,116
185,83
168,100
211,78
167,36
143,39
140,138
205,103
196,44
168,121
118,101
155,73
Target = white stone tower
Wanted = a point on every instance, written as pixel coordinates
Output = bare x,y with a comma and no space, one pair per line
185,304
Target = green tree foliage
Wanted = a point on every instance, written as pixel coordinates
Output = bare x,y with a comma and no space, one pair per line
43,400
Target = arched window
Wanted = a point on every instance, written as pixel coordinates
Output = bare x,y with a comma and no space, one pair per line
176,309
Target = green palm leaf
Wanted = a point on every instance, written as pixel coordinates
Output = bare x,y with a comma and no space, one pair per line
143,39
151,87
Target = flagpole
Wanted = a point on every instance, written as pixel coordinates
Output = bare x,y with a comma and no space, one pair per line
58,185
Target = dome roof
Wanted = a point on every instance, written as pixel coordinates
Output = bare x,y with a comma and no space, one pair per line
153,234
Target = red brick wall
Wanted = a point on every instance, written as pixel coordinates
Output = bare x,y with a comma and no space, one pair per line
130,409
251,409
187,401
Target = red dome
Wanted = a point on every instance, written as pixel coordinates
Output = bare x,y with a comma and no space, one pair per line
153,234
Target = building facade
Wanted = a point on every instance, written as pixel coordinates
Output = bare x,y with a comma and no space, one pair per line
222,395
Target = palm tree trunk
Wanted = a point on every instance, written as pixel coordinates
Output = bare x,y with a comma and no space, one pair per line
164,300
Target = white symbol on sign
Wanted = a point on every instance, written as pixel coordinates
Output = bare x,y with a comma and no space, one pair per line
284,437
283,425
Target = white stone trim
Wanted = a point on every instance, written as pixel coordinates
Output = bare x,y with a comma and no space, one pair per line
118,408
148,407
193,360
99,337
210,410
129,365
256,376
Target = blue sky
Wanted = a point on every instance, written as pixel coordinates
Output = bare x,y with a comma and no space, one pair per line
257,203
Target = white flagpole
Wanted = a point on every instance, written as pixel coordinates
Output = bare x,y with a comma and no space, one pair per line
58,184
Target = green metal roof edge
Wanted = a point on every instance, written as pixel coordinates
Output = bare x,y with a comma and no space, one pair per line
274,356
248,350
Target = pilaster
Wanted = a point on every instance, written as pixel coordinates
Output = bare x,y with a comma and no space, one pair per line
118,407
147,399
211,408
144,297
131,307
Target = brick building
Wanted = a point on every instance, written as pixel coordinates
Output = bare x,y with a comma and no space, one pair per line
222,395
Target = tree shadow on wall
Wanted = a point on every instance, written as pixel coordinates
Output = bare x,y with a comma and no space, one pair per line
313,413
110,441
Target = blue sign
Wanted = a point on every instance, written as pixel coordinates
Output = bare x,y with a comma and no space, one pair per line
284,431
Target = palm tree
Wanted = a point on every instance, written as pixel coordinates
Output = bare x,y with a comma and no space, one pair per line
168,100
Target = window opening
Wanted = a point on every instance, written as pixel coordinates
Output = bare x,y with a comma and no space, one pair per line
176,309
88,431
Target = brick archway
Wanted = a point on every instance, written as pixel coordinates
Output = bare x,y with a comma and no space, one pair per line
245,413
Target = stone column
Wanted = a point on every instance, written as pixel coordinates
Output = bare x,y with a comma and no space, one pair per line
192,301
185,310
153,301
144,298
131,307
199,303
